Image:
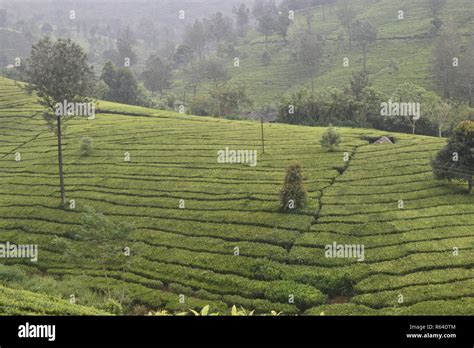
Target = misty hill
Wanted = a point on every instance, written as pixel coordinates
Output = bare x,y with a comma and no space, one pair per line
402,53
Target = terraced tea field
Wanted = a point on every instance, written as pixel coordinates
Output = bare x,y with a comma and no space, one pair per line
21,302
229,244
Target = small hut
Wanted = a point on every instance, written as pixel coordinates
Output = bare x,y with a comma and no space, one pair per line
384,140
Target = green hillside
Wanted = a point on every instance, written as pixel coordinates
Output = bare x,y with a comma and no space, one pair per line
21,302
191,251
404,44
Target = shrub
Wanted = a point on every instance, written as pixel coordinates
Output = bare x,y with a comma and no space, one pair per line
137,310
59,245
337,285
456,160
86,147
305,296
106,240
112,306
330,139
293,195
203,106
11,274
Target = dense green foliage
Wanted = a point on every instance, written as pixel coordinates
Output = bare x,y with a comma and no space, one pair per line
86,147
456,160
21,303
121,83
58,71
293,195
330,139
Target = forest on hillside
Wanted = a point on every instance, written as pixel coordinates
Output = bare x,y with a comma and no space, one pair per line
310,62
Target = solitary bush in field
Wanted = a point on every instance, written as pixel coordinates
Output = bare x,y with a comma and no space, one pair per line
456,160
103,240
331,139
57,72
86,147
293,195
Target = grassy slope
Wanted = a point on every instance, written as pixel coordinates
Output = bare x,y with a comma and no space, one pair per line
190,251
21,302
403,41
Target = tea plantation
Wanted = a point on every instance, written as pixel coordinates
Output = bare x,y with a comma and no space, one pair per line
21,302
211,233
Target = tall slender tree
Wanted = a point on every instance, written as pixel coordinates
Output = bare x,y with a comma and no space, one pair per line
309,51
346,15
364,34
466,80
444,64
157,75
267,25
436,6
283,23
195,37
242,18
58,72
3,18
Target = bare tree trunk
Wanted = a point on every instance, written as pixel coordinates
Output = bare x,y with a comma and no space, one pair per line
440,131
470,184
446,91
60,162
107,282
470,96
350,36
364,51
